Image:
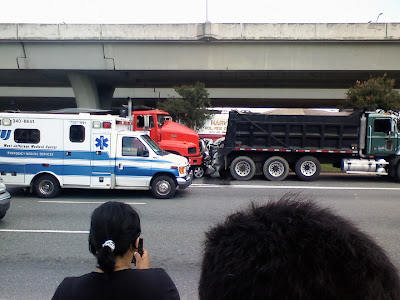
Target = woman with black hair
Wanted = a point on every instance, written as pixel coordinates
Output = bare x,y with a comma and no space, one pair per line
113,239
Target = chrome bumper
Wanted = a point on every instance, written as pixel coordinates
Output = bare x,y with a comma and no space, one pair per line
184,182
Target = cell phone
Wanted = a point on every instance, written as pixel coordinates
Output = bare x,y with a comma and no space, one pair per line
139,250
140,247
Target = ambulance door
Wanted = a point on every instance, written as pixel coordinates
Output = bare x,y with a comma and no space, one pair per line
77,157
133,164
102,163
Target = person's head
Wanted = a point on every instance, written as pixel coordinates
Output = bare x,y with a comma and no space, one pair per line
293,249
113,225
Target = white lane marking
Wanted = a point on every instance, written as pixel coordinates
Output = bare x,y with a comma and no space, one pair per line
293,187
44,231
61,231
86,202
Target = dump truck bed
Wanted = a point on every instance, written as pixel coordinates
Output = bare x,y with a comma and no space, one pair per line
293,129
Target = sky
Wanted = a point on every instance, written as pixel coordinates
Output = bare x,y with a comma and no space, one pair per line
198,11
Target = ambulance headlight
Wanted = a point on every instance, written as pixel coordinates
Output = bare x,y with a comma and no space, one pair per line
6,122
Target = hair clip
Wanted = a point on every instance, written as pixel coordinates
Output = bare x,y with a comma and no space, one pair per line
110,244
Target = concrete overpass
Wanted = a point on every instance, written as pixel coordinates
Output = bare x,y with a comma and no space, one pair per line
260,65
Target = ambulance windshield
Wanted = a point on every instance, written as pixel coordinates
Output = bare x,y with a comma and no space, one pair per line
153,145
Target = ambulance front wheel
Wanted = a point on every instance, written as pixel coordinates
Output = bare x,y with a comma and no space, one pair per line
46,186
163,187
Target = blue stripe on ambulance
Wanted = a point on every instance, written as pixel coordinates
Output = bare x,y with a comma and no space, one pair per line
81,170
84,155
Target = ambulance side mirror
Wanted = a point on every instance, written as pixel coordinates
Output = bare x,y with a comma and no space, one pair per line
143,152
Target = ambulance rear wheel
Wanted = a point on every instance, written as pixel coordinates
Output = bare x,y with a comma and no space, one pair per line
163,187
46,186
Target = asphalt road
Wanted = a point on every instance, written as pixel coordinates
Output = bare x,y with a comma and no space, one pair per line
43,241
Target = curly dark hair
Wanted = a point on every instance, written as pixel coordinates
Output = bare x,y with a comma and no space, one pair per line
294,249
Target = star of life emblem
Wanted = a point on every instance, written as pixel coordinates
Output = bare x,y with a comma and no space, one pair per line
102,142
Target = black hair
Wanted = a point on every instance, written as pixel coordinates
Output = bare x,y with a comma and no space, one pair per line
293,249
114,221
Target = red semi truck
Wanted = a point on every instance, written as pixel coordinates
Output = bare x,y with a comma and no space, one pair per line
171,136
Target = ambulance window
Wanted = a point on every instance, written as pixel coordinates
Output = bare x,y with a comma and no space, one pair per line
140,121
29,136
77,133
132,146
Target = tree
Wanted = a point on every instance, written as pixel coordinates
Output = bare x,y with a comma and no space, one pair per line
377,92
190,109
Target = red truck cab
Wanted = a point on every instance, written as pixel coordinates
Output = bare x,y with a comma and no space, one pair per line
170,136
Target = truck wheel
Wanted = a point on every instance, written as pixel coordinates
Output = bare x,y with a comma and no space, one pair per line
2,214
276,168
308,168
243,168
198,171
163,187
46,186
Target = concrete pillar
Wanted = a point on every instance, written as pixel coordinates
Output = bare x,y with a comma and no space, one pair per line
106,93
85,90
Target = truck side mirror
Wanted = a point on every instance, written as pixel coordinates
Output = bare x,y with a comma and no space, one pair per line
123,112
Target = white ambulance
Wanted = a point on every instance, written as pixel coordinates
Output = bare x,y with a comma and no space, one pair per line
47,152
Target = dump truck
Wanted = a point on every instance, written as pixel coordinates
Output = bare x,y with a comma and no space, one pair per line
273,143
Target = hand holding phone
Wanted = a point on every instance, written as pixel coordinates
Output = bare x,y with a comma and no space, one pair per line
141,257
139,250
